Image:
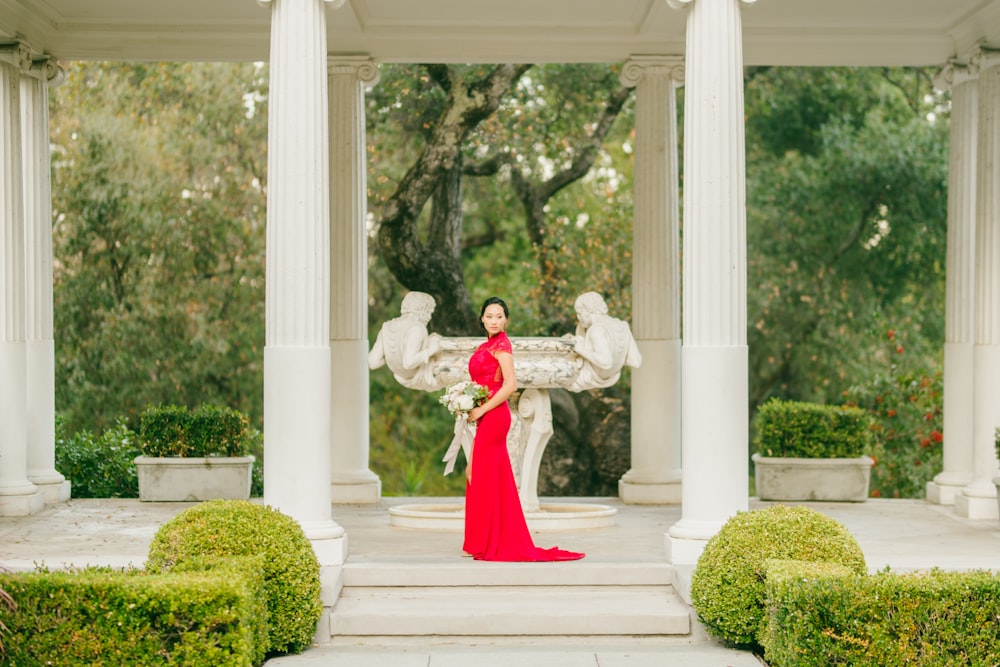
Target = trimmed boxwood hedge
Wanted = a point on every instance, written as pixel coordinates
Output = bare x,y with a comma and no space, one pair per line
104,617
795,429
818,618
223,528
727,585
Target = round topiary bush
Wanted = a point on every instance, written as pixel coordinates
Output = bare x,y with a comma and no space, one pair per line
242,528
727,586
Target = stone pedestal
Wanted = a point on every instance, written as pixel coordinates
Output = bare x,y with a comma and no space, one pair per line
983,506
540,364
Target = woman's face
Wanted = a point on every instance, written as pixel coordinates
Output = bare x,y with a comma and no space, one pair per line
494,321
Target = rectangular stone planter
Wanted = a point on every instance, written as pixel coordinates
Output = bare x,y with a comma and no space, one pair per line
193,479
781,478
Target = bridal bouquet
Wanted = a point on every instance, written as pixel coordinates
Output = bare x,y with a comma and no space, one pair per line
460,398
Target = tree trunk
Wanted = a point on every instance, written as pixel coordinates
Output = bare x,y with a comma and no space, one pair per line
434,266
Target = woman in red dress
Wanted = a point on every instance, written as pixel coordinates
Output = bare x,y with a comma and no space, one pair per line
495,527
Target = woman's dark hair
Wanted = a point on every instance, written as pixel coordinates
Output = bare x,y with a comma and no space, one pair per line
489,302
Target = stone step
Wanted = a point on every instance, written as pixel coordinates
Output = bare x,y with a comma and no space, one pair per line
494,610
467,572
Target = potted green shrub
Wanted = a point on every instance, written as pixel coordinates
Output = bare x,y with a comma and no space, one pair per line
809,451
193,455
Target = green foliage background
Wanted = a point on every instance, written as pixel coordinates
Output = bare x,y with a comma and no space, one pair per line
159,190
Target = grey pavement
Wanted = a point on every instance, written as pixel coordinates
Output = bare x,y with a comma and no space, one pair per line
899,534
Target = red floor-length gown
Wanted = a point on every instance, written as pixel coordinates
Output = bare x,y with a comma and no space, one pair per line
495,528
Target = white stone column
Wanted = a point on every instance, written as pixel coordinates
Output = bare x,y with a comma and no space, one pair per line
714,370
655,475
297,349
40,344
960,318
353,481
978,499
18,496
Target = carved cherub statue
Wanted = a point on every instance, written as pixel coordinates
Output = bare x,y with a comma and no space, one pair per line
404,345
604,344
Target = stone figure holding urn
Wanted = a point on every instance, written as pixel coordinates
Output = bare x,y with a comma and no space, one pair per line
592,358
404,345
604,344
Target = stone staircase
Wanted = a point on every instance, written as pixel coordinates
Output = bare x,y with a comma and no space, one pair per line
467,598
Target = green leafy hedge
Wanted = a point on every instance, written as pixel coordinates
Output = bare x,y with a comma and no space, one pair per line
103,617
99,466
809,430
727,586
170,430
818,618
223,528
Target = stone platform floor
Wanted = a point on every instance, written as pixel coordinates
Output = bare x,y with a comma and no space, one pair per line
898,534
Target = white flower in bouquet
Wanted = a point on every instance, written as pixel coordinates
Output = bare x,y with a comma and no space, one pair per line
464,403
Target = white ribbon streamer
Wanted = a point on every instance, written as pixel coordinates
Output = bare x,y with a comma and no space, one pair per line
465,434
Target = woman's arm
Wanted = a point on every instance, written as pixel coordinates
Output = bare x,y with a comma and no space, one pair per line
506,360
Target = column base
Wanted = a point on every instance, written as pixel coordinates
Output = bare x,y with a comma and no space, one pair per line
943,492
648,493
54,492
22,504
683,554
977,507
366,491
683,551
329,541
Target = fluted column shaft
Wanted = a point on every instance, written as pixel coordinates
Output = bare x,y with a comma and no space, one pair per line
960,285
353,482
18,496
655,474
297,350
714,369
978,499
40,345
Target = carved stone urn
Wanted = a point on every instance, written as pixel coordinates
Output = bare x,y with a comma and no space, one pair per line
591,358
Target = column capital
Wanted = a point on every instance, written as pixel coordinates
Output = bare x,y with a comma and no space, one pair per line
955,73
684,4
16,53
363,67
334,4
47,69
638,67
986,58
